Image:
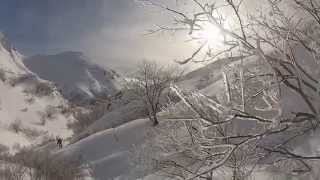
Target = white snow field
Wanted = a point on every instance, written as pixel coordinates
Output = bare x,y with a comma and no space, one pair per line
121,114
109,153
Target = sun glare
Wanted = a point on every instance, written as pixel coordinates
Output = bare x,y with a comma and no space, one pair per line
209,34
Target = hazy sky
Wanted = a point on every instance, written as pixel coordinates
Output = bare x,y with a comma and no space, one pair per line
111,31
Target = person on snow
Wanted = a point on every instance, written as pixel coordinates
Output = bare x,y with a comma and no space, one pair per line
59,142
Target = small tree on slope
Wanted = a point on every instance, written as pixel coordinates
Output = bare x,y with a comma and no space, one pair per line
149,84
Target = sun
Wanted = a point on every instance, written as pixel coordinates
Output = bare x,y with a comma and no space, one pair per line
209,34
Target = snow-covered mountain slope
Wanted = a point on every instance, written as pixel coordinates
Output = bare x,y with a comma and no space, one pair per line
110,152
79,79
122,110
206,75
31,109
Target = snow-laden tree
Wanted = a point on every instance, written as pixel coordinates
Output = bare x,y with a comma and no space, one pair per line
149,84
270,105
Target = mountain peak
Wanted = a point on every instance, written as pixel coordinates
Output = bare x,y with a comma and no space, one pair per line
79,79
4,42
73,54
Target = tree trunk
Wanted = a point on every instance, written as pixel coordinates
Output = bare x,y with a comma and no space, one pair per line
155,120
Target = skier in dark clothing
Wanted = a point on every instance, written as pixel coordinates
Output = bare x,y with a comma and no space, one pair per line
59,142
